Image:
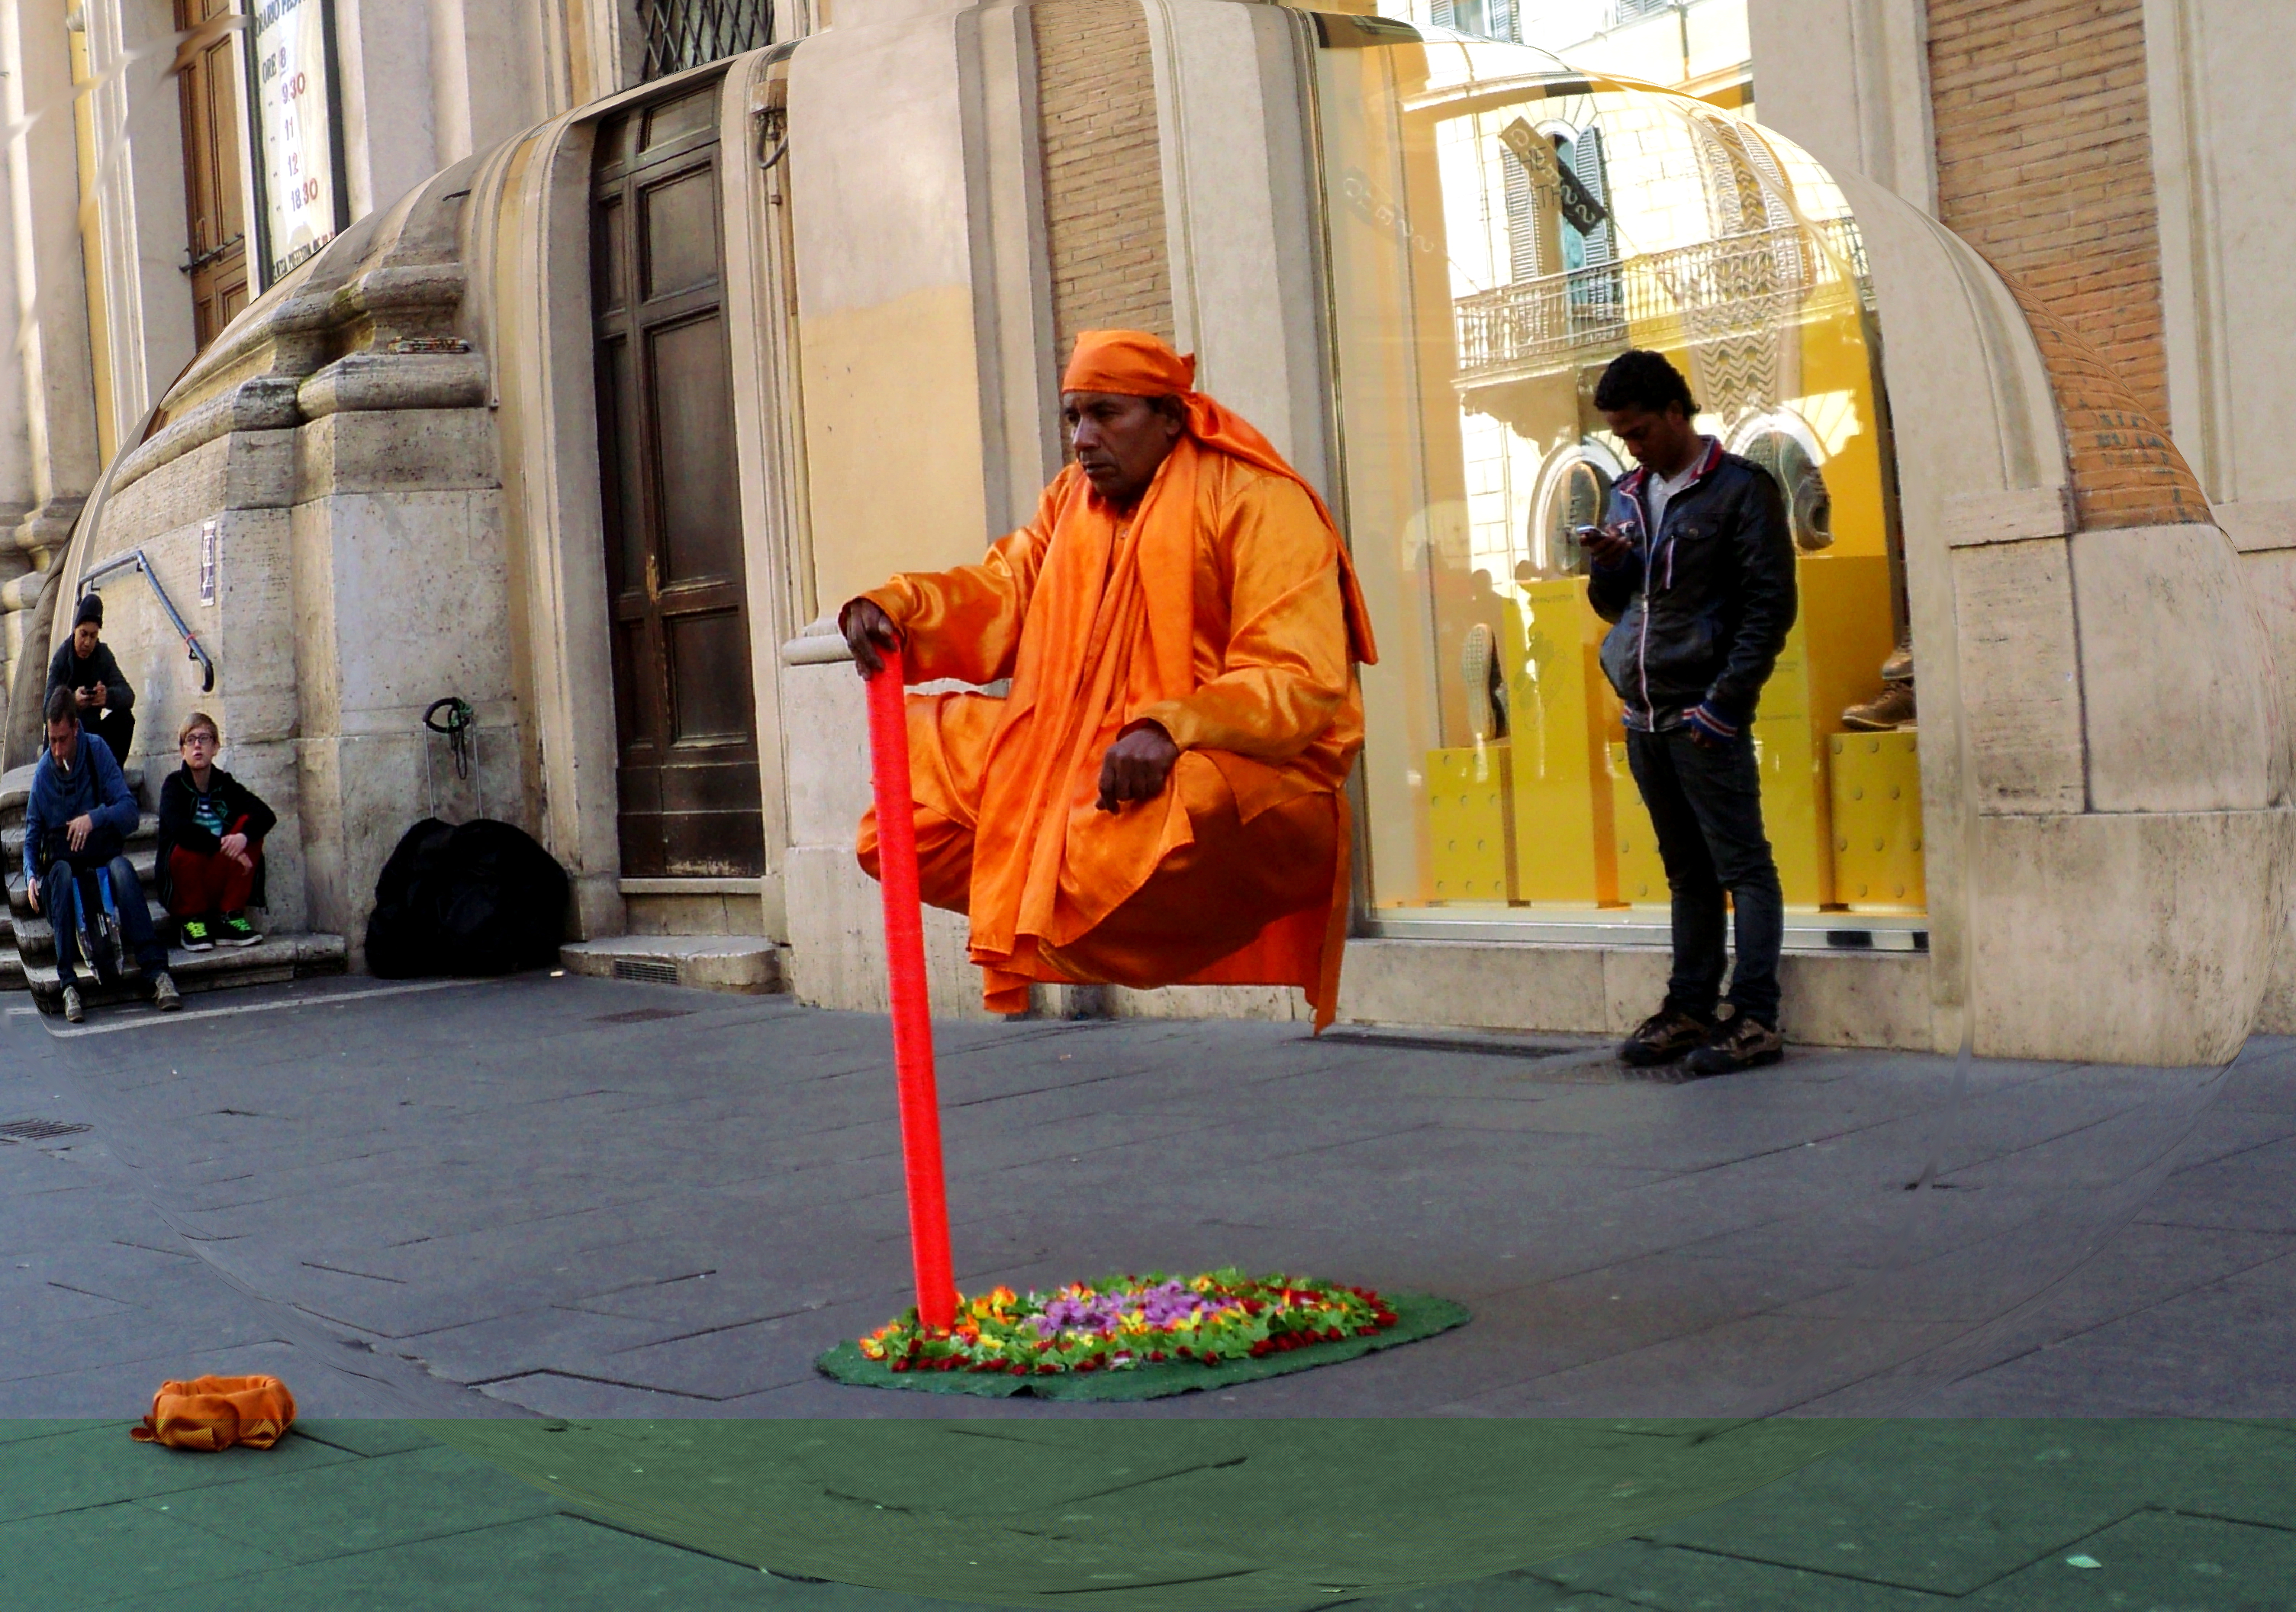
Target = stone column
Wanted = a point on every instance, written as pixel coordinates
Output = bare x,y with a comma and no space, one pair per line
48,456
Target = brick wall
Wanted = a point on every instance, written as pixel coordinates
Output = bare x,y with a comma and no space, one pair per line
2044,165
1103,169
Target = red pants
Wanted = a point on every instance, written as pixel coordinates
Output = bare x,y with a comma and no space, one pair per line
199,885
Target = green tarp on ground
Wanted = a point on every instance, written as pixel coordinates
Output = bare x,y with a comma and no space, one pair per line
1036,1509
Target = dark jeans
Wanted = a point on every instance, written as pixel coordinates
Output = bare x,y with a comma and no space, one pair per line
117,730
1706,807
68,907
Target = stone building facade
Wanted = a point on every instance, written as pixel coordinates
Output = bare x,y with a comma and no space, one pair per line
426,462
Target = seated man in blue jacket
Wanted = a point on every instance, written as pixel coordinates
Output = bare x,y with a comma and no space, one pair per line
1694,566
78,820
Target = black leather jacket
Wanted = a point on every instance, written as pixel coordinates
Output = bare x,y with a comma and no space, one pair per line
1700,614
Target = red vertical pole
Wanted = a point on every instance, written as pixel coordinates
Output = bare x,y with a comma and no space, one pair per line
905,975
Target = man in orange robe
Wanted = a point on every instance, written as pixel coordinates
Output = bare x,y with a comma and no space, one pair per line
1159,800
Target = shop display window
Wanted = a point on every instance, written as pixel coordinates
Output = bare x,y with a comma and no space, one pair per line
1501,227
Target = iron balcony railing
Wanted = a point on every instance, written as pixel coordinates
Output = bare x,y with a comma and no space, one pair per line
1735,285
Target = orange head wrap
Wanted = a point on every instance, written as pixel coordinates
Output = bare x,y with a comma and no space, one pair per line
1134,364
1130,363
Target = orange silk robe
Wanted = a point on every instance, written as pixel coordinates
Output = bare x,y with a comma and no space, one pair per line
1224,609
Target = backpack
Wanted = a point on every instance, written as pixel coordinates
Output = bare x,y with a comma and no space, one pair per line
476,898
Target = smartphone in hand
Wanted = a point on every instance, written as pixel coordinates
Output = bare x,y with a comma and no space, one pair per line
1608,545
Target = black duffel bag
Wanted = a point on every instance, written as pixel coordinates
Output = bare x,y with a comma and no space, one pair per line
466,899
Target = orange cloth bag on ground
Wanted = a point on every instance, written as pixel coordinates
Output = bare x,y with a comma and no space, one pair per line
216,1412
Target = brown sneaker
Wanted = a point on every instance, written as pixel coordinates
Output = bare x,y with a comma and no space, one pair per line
1663,1037
1899,667
1738,1043
1892,708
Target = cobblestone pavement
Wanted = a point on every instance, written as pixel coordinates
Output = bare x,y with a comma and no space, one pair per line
576,1197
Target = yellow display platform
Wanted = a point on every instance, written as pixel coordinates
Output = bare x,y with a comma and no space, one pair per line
1642,874
1561,716
1877,822
1832,660
1469,850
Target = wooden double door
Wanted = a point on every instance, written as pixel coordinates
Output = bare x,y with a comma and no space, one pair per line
685,704
216,257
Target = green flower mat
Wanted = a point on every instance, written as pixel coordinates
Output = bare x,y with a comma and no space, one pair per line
1417,1315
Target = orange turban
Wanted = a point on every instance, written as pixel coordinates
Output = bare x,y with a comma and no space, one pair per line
1130,363
1134,364
216,1412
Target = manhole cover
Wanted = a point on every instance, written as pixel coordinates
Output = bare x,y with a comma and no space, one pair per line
639,1015
39,1130
645,971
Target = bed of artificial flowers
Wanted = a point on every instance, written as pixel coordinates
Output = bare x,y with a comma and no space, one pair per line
1122,1322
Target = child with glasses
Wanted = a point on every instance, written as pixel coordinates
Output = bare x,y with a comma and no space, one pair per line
211,829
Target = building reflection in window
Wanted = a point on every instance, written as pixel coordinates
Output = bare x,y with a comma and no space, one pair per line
1501,227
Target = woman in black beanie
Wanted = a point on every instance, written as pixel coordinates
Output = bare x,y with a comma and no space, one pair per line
84,664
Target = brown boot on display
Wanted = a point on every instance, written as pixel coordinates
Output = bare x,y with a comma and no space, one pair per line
1892,708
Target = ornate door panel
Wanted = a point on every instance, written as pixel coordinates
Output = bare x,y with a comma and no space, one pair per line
214,126
685,706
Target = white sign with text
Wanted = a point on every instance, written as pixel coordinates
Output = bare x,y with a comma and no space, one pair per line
298,129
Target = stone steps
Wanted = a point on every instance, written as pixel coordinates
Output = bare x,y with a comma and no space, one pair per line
747,964
145,859
145,837
27,942
36,937
279,958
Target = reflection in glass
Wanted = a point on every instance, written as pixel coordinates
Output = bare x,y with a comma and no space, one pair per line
1502,228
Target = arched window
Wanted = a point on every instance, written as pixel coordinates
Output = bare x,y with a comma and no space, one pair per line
1574,487
1780,444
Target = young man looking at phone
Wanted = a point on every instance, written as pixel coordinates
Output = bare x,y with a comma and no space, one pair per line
84,664
1694,565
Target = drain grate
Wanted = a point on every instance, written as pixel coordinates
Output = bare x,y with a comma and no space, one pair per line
39,1130
640,1016
645,971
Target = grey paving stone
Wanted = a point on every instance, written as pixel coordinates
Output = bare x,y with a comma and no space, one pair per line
17,1429
1952,1507
101,1464
2227,1349
550,1564
513,1157
1641,1574
363,1434
2156,1559
354,1507
105,1554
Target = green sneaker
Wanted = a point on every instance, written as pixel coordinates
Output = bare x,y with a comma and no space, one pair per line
196,936
237,931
